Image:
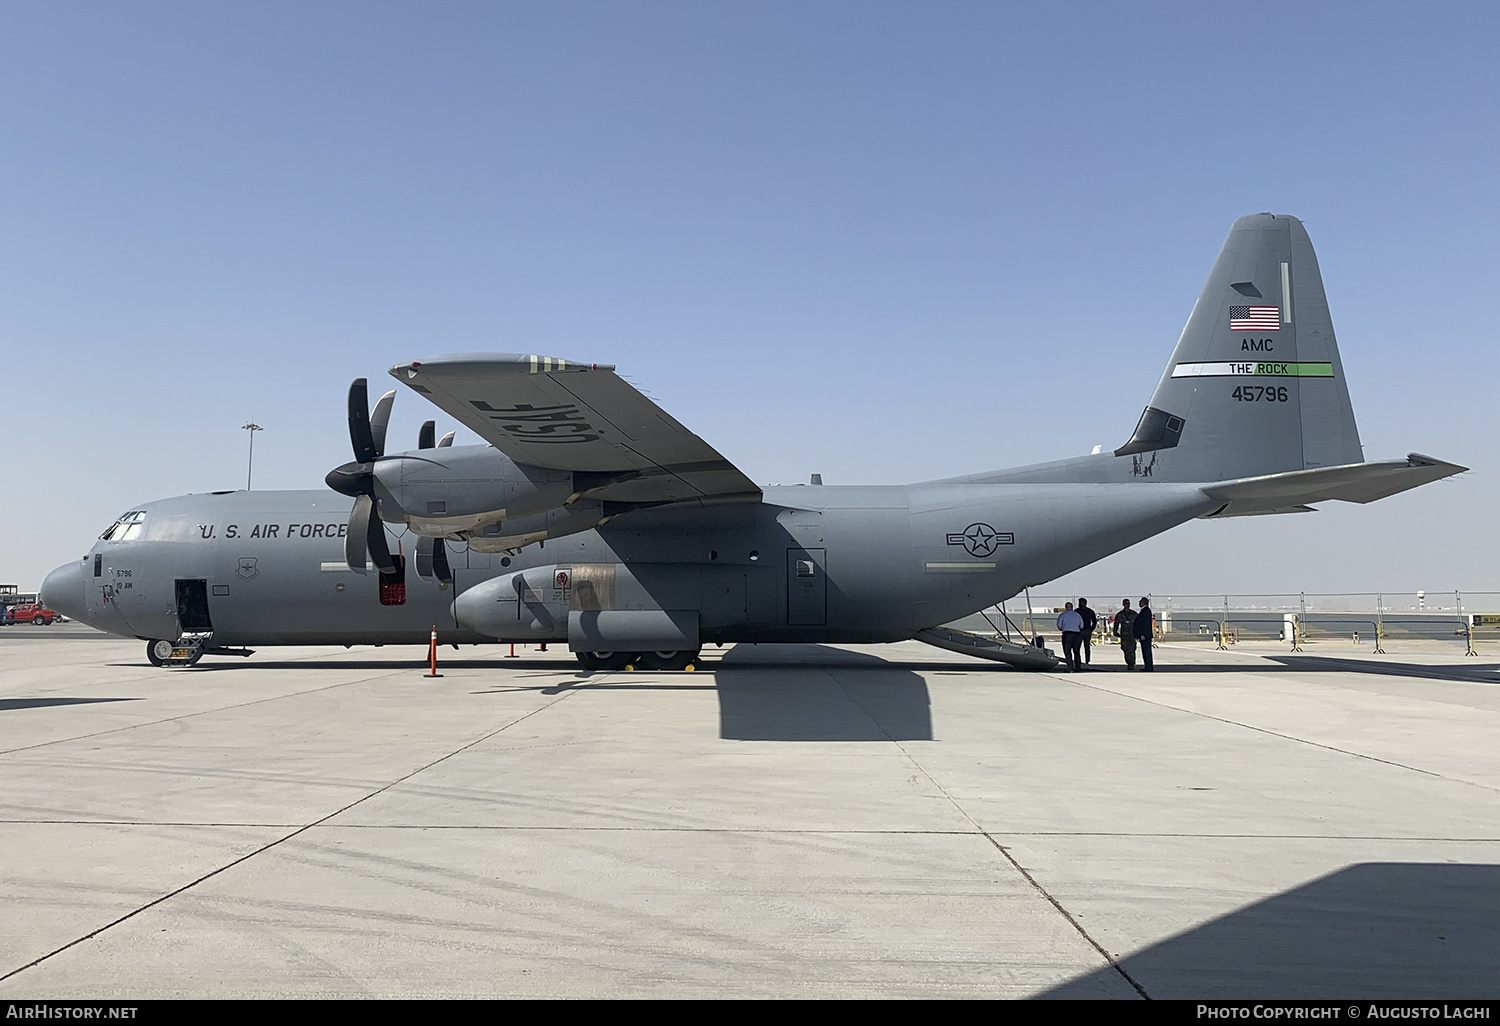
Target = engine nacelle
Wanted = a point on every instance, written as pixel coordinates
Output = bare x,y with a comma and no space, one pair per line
522,531
523,606
461,490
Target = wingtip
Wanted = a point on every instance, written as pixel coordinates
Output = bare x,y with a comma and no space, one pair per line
1417,459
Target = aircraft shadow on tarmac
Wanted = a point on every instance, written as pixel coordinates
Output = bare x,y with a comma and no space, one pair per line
856,697
7,704
1375,930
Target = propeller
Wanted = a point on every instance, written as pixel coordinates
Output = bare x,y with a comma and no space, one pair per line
366,533
357,479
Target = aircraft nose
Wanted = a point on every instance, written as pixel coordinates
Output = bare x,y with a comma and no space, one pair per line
63,591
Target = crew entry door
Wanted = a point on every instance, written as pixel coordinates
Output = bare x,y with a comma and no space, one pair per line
806,588
192,606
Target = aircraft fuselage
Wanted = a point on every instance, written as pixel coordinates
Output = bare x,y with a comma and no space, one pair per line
591,516
809,563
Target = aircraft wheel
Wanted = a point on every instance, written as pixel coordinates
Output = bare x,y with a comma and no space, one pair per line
679,660
603,660
158,652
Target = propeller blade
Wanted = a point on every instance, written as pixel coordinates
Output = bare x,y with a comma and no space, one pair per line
432,561
380,552
446,440
359,527
360,435
424,558
427,434
380,418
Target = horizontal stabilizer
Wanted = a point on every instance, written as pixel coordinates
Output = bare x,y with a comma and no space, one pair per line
1353,482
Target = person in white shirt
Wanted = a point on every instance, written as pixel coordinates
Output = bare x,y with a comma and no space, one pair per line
1071,625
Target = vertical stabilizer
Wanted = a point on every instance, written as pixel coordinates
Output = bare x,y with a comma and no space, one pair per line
1255,385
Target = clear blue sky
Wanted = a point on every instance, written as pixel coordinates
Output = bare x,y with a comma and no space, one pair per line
881,241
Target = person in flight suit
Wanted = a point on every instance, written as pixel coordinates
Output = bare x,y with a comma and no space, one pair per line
1141,631
1124,621
1090,621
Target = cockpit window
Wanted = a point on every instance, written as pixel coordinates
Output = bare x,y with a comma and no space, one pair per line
127,527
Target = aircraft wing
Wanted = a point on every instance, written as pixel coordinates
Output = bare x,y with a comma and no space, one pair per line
1353,482
582,417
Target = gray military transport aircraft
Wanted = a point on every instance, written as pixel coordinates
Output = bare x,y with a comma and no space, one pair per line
594,518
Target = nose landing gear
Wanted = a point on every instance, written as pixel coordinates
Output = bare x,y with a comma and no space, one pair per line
185,651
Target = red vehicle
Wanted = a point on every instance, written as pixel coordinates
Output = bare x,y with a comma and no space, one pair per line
30,612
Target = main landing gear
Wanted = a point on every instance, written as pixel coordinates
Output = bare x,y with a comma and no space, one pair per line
680,659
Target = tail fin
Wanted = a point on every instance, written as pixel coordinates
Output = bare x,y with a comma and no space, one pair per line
1255,385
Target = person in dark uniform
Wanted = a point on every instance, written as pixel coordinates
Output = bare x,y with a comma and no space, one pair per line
1090,621
1141,631
1124,620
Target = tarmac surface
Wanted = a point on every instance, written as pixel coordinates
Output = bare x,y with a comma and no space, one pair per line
790,821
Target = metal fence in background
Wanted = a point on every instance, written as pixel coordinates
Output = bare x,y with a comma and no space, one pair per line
1366,619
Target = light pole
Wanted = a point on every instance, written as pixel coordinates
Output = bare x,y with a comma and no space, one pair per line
251,427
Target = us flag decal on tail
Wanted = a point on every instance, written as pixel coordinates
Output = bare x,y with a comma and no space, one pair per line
1254,318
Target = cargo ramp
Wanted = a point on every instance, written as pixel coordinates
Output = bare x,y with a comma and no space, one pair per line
1022,657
